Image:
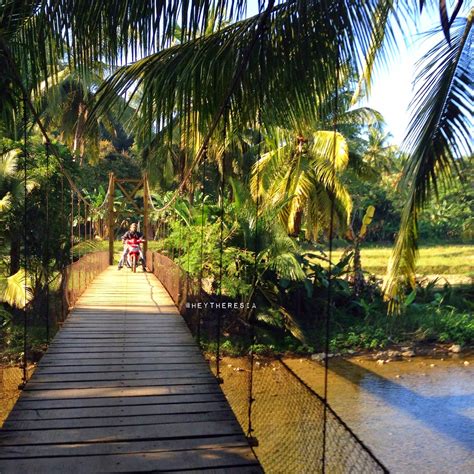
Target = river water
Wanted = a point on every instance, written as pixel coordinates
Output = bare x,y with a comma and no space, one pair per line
417,415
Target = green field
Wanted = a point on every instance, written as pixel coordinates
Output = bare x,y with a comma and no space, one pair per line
432,260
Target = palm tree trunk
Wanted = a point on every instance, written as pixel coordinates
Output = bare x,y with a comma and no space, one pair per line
78,145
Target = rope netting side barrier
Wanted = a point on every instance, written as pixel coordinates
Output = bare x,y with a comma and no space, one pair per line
64,292
10,380
56,260
282,415
77,276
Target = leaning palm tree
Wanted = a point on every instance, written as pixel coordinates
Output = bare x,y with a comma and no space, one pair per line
65,103
439,137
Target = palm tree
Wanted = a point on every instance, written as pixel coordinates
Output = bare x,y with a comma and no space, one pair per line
65,103
298,176
438,139
378,154
304,167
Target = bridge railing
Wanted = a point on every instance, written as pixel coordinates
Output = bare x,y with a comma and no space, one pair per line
44,316
183,289
289,425
75,278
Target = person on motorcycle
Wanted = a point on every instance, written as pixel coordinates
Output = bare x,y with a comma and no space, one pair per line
132,233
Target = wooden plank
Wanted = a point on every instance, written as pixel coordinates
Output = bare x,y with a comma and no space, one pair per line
209,386
137,327
101,421
119,367
148,382
120,433
168,358
151,320
135,375
122,333
116,411
119,447
125,346
93,336
219,457
157,351
37,404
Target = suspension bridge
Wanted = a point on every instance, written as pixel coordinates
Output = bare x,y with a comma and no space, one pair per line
124,386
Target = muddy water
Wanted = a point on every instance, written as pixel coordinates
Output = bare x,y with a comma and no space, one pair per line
417,416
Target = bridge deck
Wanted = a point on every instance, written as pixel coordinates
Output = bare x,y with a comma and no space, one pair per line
123,388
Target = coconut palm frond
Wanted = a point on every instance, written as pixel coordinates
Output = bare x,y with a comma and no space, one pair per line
6,203
287,266
361,116
293,325
266,170
439,137
18,292
292,72
8,163
301,193
446,18
103,30
381,42
331,147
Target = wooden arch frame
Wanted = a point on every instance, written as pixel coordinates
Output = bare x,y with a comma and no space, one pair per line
129,197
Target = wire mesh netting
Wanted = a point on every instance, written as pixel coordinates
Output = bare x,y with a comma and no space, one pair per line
10,379
77,276
290,426
63,294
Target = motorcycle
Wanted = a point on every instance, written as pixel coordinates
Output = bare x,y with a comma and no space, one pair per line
134,253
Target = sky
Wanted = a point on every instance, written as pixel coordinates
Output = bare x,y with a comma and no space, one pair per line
392,87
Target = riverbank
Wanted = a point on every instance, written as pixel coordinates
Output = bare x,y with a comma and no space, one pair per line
397,352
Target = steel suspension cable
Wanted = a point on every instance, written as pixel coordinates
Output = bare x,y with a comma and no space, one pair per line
71,273
25,243
329,301
47,244
201,273
221,243
63,226
252,440
78,224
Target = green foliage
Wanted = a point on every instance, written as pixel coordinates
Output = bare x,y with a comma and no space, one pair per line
360,336
449,218
18,292
432,315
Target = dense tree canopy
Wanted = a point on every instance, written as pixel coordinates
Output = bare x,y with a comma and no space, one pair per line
167,65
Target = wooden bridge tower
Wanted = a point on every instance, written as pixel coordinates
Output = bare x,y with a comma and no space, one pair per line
130,198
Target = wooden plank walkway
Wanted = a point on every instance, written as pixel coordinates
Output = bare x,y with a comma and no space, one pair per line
123,388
